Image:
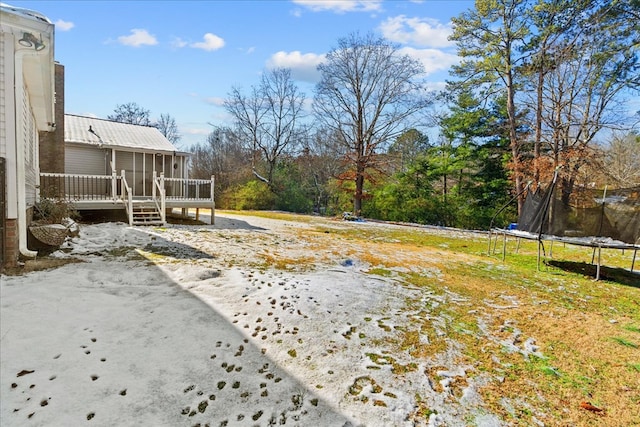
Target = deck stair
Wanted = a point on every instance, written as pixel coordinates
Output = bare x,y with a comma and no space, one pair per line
145,213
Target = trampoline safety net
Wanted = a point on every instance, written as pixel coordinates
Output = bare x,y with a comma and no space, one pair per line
589,213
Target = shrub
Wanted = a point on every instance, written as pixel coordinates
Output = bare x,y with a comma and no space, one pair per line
54,211
254,195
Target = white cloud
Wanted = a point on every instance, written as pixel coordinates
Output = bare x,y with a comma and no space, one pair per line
341,6
434,60
214,100
303,66
195,131
64,25
417,31
211,42
138,38
177,42
436,86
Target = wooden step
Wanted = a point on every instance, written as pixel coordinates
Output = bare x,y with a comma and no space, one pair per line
146,216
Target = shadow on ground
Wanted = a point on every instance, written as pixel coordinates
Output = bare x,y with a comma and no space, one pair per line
617,275
120,343
221,223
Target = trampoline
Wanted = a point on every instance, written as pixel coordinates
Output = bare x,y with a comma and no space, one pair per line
595,218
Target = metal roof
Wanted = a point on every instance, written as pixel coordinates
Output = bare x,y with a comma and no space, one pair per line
107,133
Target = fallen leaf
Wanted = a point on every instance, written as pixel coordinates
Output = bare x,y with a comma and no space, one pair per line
589,407
24,372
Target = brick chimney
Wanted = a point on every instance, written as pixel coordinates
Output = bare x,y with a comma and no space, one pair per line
51,144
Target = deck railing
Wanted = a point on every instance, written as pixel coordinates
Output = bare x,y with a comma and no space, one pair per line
188,189
79,188
127,197
75,188
159,196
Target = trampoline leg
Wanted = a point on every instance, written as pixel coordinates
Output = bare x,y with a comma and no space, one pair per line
598,267
538,260
551,250
633,261
504,247
593,255
518,245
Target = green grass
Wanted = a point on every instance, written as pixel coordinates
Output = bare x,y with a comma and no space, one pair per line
625,342
480,300
632,328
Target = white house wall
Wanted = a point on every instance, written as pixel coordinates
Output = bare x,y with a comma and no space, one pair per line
86,160
24,130
29,134
4,78
79,160
7,120
27,104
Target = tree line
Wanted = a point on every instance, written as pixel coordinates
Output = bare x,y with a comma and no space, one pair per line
542,87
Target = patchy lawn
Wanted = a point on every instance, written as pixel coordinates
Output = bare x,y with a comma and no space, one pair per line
354,323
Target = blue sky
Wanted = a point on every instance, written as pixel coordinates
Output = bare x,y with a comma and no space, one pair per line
184,57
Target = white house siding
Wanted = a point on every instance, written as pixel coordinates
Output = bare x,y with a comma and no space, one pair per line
29,134
3,97
85,160
26,107
80,160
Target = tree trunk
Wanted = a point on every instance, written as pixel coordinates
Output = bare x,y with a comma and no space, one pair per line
444,189
538,137
567,188
513,135
357,200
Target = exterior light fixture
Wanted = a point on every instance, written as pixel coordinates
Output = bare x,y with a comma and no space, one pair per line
29,40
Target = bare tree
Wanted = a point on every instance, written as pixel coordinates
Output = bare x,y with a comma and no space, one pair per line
366,95
554,35
321,160
223,156
268,119
622,160
591,67
168,127
131,113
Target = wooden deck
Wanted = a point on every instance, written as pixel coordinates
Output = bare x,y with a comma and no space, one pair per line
149,203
